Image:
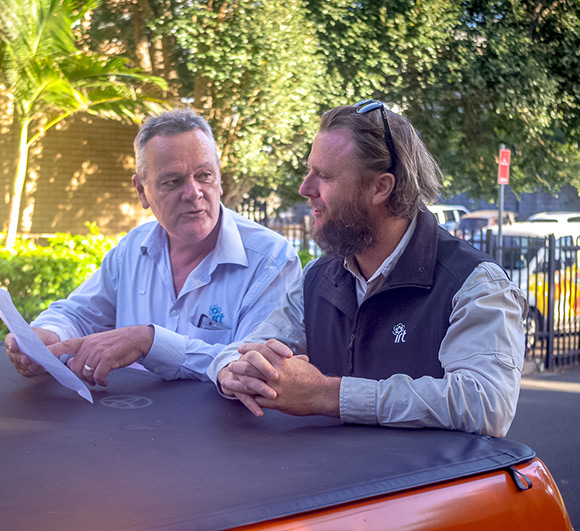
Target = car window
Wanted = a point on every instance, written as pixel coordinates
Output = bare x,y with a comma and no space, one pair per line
449,215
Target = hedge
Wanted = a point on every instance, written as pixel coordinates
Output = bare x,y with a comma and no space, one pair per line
37,274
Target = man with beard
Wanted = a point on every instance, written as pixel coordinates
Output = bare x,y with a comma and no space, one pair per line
400,323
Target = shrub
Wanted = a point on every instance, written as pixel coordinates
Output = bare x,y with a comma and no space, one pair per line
305,256
38,274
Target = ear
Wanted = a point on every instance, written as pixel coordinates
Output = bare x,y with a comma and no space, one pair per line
382,188
138,184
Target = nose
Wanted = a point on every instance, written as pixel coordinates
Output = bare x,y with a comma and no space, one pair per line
191,190
308,187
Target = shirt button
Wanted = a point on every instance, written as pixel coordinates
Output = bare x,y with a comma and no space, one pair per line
174,312
142,292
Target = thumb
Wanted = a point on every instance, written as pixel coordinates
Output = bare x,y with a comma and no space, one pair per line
70,346
10,343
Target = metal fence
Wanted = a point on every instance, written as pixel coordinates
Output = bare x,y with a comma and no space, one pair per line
294,229
546,270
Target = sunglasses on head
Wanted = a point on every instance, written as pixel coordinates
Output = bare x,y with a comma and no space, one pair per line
362,107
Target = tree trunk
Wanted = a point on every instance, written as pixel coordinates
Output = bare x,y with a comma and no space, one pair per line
18,187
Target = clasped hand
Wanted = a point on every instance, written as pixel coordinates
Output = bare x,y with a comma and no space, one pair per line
268,375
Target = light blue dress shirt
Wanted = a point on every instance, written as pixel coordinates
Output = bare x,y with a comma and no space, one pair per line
235,286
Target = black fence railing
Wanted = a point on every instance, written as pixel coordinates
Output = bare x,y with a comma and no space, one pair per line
547,270
295,229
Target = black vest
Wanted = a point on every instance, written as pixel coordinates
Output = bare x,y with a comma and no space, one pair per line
399,329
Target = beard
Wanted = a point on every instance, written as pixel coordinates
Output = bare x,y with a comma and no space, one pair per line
347,229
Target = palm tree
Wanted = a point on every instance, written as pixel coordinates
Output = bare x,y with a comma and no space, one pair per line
50,78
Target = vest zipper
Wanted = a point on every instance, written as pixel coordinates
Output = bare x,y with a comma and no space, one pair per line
351,354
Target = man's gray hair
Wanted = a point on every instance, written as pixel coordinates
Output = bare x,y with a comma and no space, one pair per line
168,123
418,177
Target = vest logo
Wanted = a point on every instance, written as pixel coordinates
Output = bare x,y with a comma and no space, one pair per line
399,331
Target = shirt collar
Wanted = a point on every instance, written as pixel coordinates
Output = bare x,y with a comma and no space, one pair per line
390,262
229,247
155,240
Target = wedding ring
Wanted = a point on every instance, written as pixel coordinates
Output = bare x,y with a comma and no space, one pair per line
87,368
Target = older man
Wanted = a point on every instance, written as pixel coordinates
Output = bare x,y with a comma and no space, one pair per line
399,324
173,293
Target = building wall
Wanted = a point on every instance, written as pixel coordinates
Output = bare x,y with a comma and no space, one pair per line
79,172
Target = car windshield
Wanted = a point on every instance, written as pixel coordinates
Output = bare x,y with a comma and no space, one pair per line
519,251
472,224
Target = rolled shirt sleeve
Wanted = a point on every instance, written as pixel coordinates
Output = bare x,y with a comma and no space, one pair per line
482,355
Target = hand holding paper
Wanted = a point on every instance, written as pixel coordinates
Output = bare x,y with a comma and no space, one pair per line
32,346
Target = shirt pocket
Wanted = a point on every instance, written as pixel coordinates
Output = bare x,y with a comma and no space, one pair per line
212,337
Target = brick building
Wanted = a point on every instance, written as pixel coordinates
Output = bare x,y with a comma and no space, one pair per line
79,172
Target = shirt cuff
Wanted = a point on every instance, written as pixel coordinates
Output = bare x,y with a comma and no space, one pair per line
358,401
225,357
167,352
62,332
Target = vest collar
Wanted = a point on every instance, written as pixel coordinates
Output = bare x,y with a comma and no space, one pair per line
416,267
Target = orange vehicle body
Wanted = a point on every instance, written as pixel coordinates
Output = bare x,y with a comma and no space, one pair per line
487,502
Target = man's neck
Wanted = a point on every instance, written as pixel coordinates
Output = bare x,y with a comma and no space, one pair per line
185,256
391,232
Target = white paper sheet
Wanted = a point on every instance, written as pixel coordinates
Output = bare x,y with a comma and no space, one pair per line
30,344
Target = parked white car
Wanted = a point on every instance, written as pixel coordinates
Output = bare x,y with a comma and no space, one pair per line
555,217
448,215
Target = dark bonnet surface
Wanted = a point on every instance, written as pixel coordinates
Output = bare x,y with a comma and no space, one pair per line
151,454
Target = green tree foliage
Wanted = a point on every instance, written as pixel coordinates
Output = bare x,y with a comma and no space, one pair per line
49,78
36,275
470,75
249,67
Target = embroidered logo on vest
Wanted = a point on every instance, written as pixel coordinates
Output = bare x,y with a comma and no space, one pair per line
399,331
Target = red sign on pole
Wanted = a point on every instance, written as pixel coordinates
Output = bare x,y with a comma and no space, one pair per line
503,171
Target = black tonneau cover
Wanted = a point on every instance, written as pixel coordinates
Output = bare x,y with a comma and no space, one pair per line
175,455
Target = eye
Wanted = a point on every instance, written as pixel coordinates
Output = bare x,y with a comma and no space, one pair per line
204,177
169,184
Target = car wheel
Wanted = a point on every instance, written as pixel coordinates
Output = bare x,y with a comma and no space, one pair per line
533,327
